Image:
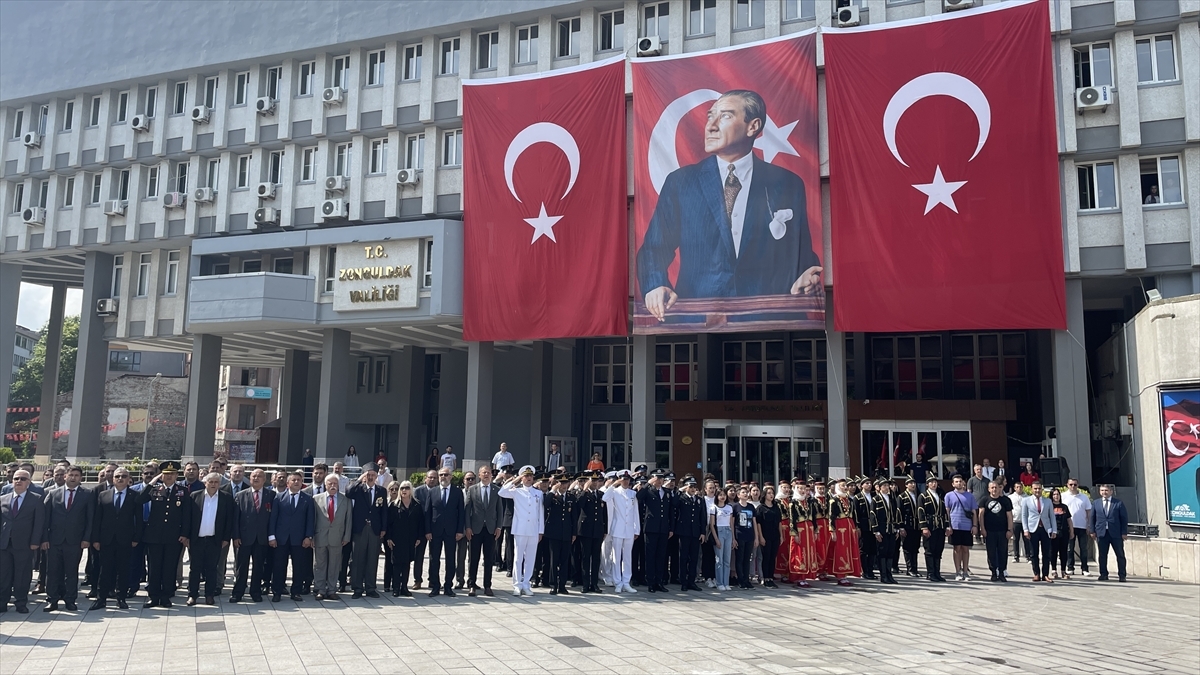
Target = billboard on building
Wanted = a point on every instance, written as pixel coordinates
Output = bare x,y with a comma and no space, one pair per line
727,177
1181,451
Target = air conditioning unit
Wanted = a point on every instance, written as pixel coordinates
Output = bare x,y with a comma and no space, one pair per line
140,123
951,5
106,307
266,215
203,195
265,105
114,207
1093,98
34,215
335,184
32,139
266,191
407,177
200,114
334,208
174,200
649,46
847,16
333,95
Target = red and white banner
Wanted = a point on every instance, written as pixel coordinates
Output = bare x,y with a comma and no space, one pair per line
717,251
943,173
545,218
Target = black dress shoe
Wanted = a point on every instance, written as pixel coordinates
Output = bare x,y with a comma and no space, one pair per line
404,592
372,594
564,591
92,595
71,607
52,607
471,593
488,592
209,600
22,609
357,595
256,598
396,593
653,589
121,604
150,604
450,593
276,597
296,597
165,603
191,602
434,593
553,591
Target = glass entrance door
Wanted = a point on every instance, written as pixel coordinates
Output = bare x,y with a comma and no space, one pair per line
759,459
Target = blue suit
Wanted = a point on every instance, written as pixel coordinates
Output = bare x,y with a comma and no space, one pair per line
690,216
289,527
1110,524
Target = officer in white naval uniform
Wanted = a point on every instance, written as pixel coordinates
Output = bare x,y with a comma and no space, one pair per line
624,525
528,525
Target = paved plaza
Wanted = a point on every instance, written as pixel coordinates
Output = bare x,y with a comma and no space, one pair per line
1080,626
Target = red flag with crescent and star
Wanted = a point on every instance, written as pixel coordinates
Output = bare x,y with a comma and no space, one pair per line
545,251
943,173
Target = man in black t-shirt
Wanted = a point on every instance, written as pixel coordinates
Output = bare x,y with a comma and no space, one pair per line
996,520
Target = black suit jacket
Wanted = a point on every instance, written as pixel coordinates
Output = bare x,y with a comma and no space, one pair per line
25,528
225,523
447,519
658,513
253,527
69,527
111,527
364,508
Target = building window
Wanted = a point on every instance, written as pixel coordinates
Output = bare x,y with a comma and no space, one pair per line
799,10
68,116
1161,182
252,266
330,268
375,68
241,88
151,101
243,174
341,64
212,173
210,92
96,178
123,186
219,269
152,183
450,50
247,415
43,192
907,367
427,267
69,193
414,151
379,382
125,361
118,266
362,378
611,374
180,180
675,372
274,166
662,444
122,106
1156,59
306,164
307,72
702,17
341,162
1093,65
656,20
988,366
754,370
93,118
611,441
1097,185
612,30
412,62
143,281
568,37
488,53
809,374
379,155
18,123
749,14
172,272
452,148
180,102
18,197
43,115
274,75
527,44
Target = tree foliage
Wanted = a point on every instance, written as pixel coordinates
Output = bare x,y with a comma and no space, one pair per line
27,384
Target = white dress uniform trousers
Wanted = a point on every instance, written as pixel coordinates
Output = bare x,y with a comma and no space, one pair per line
527,525
623,525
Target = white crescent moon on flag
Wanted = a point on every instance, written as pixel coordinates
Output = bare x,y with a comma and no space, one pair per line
936,84
1171,447
541,132
663,159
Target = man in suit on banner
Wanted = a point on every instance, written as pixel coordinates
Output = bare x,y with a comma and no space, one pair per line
739,223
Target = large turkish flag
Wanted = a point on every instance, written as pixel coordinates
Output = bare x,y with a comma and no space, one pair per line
943,173
545,220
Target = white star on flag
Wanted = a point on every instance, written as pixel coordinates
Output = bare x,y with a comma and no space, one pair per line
940,192
543,225
774,140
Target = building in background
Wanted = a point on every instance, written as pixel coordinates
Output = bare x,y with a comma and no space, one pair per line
247,402
23,345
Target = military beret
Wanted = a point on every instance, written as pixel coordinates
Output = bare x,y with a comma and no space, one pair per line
169,466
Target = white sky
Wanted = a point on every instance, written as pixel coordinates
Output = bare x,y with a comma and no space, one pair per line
34,308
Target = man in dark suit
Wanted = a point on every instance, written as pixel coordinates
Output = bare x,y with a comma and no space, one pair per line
1110,528
421,494
369,523
214,519
738,223
22,530
656,504
69,510
251,529
290,534
484,509
166,533
445,521
116,530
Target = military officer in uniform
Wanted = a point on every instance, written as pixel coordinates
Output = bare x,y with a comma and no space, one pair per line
592,526
528,526
560,533
166,532
887,519
691,522
656,505
934,522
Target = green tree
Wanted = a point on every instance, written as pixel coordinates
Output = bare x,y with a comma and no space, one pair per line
27,385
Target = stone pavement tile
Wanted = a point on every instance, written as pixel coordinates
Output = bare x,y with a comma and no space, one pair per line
39,666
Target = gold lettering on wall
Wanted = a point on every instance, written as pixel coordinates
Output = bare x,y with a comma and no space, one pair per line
376,294
368,273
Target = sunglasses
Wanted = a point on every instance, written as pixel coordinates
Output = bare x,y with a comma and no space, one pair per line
20,480
406,489
443,475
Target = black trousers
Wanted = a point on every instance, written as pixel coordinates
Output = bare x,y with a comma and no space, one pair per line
637,576
91,573
419,561
689,553
708,559
1082,541
162,560
541,567
484,541
886,552
997,550
911,544
364,575
16,573
576,572
935,544
206,556
402,560
1039,549
558,563
62,572
111,563
672,574
436,546
656,558
770,550
301,559
868,551
344,573
247,554
1118,546
1059,546
590,560
745,547
507,558
137,570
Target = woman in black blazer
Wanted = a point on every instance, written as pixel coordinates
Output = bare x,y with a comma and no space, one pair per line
406,530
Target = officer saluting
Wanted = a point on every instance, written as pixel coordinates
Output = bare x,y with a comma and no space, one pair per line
166,532
691,522
593,525
560,532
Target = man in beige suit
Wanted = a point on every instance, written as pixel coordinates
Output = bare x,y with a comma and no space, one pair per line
331,533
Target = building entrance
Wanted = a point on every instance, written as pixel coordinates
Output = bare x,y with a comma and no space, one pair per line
764,453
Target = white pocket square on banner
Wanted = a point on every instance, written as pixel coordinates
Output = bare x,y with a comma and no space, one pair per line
779,223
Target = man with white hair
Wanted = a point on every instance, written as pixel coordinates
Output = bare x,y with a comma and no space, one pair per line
22,528
528,525
214,519
624,526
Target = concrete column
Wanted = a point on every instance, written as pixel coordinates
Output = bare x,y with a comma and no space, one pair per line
708,367
10,294
477,445
835,351
91,360
541,391
331,409
293,394
1070,389
204,385
642,427
408,375
46,420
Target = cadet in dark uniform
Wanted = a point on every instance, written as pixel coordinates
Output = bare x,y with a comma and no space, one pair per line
637,554
910,531
864,519
541,566
934,522
504,561
691,522
887,519
560,531
593,525
166,532
656,504
672,573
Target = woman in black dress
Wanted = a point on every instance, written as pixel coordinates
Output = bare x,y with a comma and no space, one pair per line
769,515
406,529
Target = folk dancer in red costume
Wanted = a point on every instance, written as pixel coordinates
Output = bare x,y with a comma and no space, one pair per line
823,528
845,562
804,562
783,557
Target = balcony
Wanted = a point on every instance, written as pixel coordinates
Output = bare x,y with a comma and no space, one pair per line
254,301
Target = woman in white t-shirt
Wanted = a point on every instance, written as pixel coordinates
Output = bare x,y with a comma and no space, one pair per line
1017,494
351,458
720,524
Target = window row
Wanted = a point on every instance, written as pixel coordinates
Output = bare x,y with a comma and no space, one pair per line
1161,182
145,261
1156,61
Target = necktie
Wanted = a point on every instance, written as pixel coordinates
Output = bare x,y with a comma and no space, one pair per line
486,490
330,500
17,505
257,503
1106,507
120,497
732,187
445,495
70,499
1039,504
294,500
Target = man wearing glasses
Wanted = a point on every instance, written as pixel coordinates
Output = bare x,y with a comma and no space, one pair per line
1081,518
460,567
445,521
22,528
